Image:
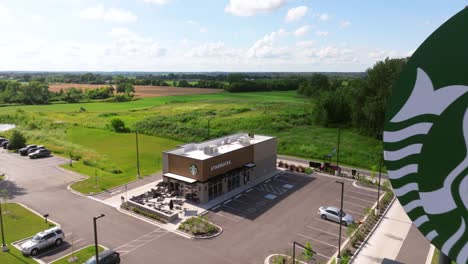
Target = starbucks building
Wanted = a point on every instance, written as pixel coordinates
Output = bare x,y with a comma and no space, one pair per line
203,171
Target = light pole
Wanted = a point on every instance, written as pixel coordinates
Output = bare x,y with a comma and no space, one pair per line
377,211
338,259
4,246
95,236
209,120
137,154
338,152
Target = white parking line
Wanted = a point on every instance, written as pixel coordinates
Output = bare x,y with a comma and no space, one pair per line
227,201
51,250
238,196
327,257
268,181
239,201
137,246
216,207
249,190
230,218
373,196
316,240
325,221
325,231
352,204
352,197
347,210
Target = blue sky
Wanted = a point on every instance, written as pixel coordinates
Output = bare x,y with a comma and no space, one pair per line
213,35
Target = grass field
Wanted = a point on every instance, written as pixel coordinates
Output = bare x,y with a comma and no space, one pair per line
81,255
83,129
116,152
19,223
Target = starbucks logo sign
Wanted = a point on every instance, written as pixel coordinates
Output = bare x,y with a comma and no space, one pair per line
426,138
193,170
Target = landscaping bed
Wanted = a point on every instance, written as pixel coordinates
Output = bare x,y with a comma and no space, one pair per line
79,256
199,227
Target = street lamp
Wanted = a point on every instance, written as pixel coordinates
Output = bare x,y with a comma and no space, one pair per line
209,120
95,236
338,153
377,211
4,246
137,154
338,259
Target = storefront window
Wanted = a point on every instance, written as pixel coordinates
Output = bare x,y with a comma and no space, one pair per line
215,188
233,180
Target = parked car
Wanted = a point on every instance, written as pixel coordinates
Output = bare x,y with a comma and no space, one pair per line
2,140
108,256
333,214
24,151
5,144
40,153
42,240
32,150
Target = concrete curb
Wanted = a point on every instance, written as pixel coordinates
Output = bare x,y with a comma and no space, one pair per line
267,259
364,187
373,230
430,254
105,248
221,230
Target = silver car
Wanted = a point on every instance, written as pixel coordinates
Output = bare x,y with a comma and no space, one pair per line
333,214
42,240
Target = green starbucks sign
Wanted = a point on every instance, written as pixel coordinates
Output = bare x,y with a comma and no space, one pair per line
426,138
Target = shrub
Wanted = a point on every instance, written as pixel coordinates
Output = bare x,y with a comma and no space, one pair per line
307,254
292,167
308,170
17,140
279,259
118,125
280,164
300,168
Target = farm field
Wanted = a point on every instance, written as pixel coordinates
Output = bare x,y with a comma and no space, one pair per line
140,90
82,129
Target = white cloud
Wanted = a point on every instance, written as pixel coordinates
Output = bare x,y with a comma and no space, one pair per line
203,30
264,47
4,11
126,43
323,17
158,2
321,33
192,22
252,7
382,54
305,44
212,50
301,31
345,24
296,13
111,14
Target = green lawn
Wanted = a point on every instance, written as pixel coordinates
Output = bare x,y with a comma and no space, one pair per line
81,255
64,128
117,151
19,223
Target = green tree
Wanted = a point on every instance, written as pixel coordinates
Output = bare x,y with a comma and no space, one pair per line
126,88
73,95
17,140
118,125
307,254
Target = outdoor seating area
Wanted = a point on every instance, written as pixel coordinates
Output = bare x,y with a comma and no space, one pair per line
162,201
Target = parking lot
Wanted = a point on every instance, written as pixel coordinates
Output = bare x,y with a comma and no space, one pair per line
246,207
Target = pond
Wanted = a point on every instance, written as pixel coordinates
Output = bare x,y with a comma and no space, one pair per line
5,127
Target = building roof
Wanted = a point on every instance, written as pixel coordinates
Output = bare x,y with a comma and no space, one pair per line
221,145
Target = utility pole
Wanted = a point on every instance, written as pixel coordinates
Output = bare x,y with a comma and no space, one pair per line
338,152
377,211
137,155
338,259
95,237
4,246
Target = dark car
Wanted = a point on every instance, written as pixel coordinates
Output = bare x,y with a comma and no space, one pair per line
108,256
2,140
32,150
5,144
40,153
24,151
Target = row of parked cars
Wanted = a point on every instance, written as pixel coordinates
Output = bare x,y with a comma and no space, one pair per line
54,237
32,151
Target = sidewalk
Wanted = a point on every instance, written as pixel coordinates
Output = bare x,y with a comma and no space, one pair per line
386,243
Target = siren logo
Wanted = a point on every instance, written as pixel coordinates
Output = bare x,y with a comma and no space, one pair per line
414,160
426,138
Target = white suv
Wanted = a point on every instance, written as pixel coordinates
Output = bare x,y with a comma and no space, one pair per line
42,240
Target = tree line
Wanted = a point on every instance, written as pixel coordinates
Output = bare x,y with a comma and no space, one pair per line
355,102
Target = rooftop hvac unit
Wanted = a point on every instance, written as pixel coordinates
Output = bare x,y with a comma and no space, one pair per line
227,141
211,149
244,140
